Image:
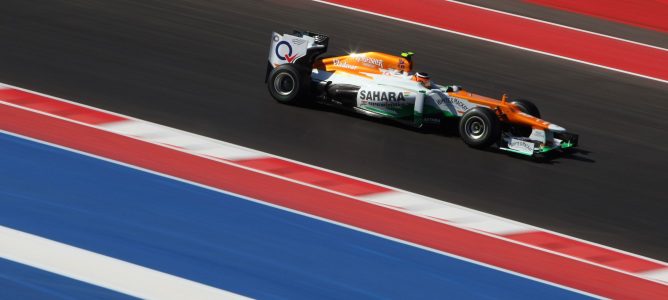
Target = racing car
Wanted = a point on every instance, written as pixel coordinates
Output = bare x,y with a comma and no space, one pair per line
384,86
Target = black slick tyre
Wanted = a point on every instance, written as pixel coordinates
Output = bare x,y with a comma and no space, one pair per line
527,107
288,84
479,127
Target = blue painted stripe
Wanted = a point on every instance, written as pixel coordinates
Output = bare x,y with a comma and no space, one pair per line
19,281
222,240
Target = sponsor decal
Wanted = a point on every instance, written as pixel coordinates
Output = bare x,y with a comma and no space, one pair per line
344,64
298,41
286,49
382,99
521,146
368,60
388,72
432,120
401,65
381,96
385,104
459,103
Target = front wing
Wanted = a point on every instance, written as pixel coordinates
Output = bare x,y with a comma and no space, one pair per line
526,146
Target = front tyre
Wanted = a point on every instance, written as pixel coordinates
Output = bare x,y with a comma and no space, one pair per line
479,127
287,84
527,107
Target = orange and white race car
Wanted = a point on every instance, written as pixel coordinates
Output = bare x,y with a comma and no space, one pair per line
384,86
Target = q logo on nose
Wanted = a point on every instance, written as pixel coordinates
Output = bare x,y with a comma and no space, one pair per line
287,56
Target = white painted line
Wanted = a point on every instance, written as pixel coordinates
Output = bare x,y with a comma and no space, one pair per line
165,135
182,141
446,212
660,275
490,40
558,25
393,198
230,153
131,128
303,214
101,270
494,226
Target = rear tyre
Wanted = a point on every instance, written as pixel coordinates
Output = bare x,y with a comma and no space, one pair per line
527,107
288,84
479,127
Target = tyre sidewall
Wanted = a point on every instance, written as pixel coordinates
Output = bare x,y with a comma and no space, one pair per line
527,107
299,80
489,119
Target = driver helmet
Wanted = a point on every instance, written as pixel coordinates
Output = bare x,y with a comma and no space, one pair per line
422,78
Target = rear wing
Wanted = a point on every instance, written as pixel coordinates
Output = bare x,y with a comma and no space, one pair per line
299,48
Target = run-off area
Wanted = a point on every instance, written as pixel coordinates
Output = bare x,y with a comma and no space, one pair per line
213,238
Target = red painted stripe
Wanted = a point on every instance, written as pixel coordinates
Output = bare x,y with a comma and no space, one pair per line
490,250
313,176
525,33
642,13
56,107
585,251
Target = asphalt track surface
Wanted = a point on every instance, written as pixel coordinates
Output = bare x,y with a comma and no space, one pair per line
199,66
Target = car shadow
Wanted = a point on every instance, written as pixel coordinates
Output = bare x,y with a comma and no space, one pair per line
554,157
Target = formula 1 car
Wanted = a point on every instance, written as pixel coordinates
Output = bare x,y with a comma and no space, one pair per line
384,86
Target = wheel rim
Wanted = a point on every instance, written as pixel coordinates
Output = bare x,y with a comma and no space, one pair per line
475,127
284,84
